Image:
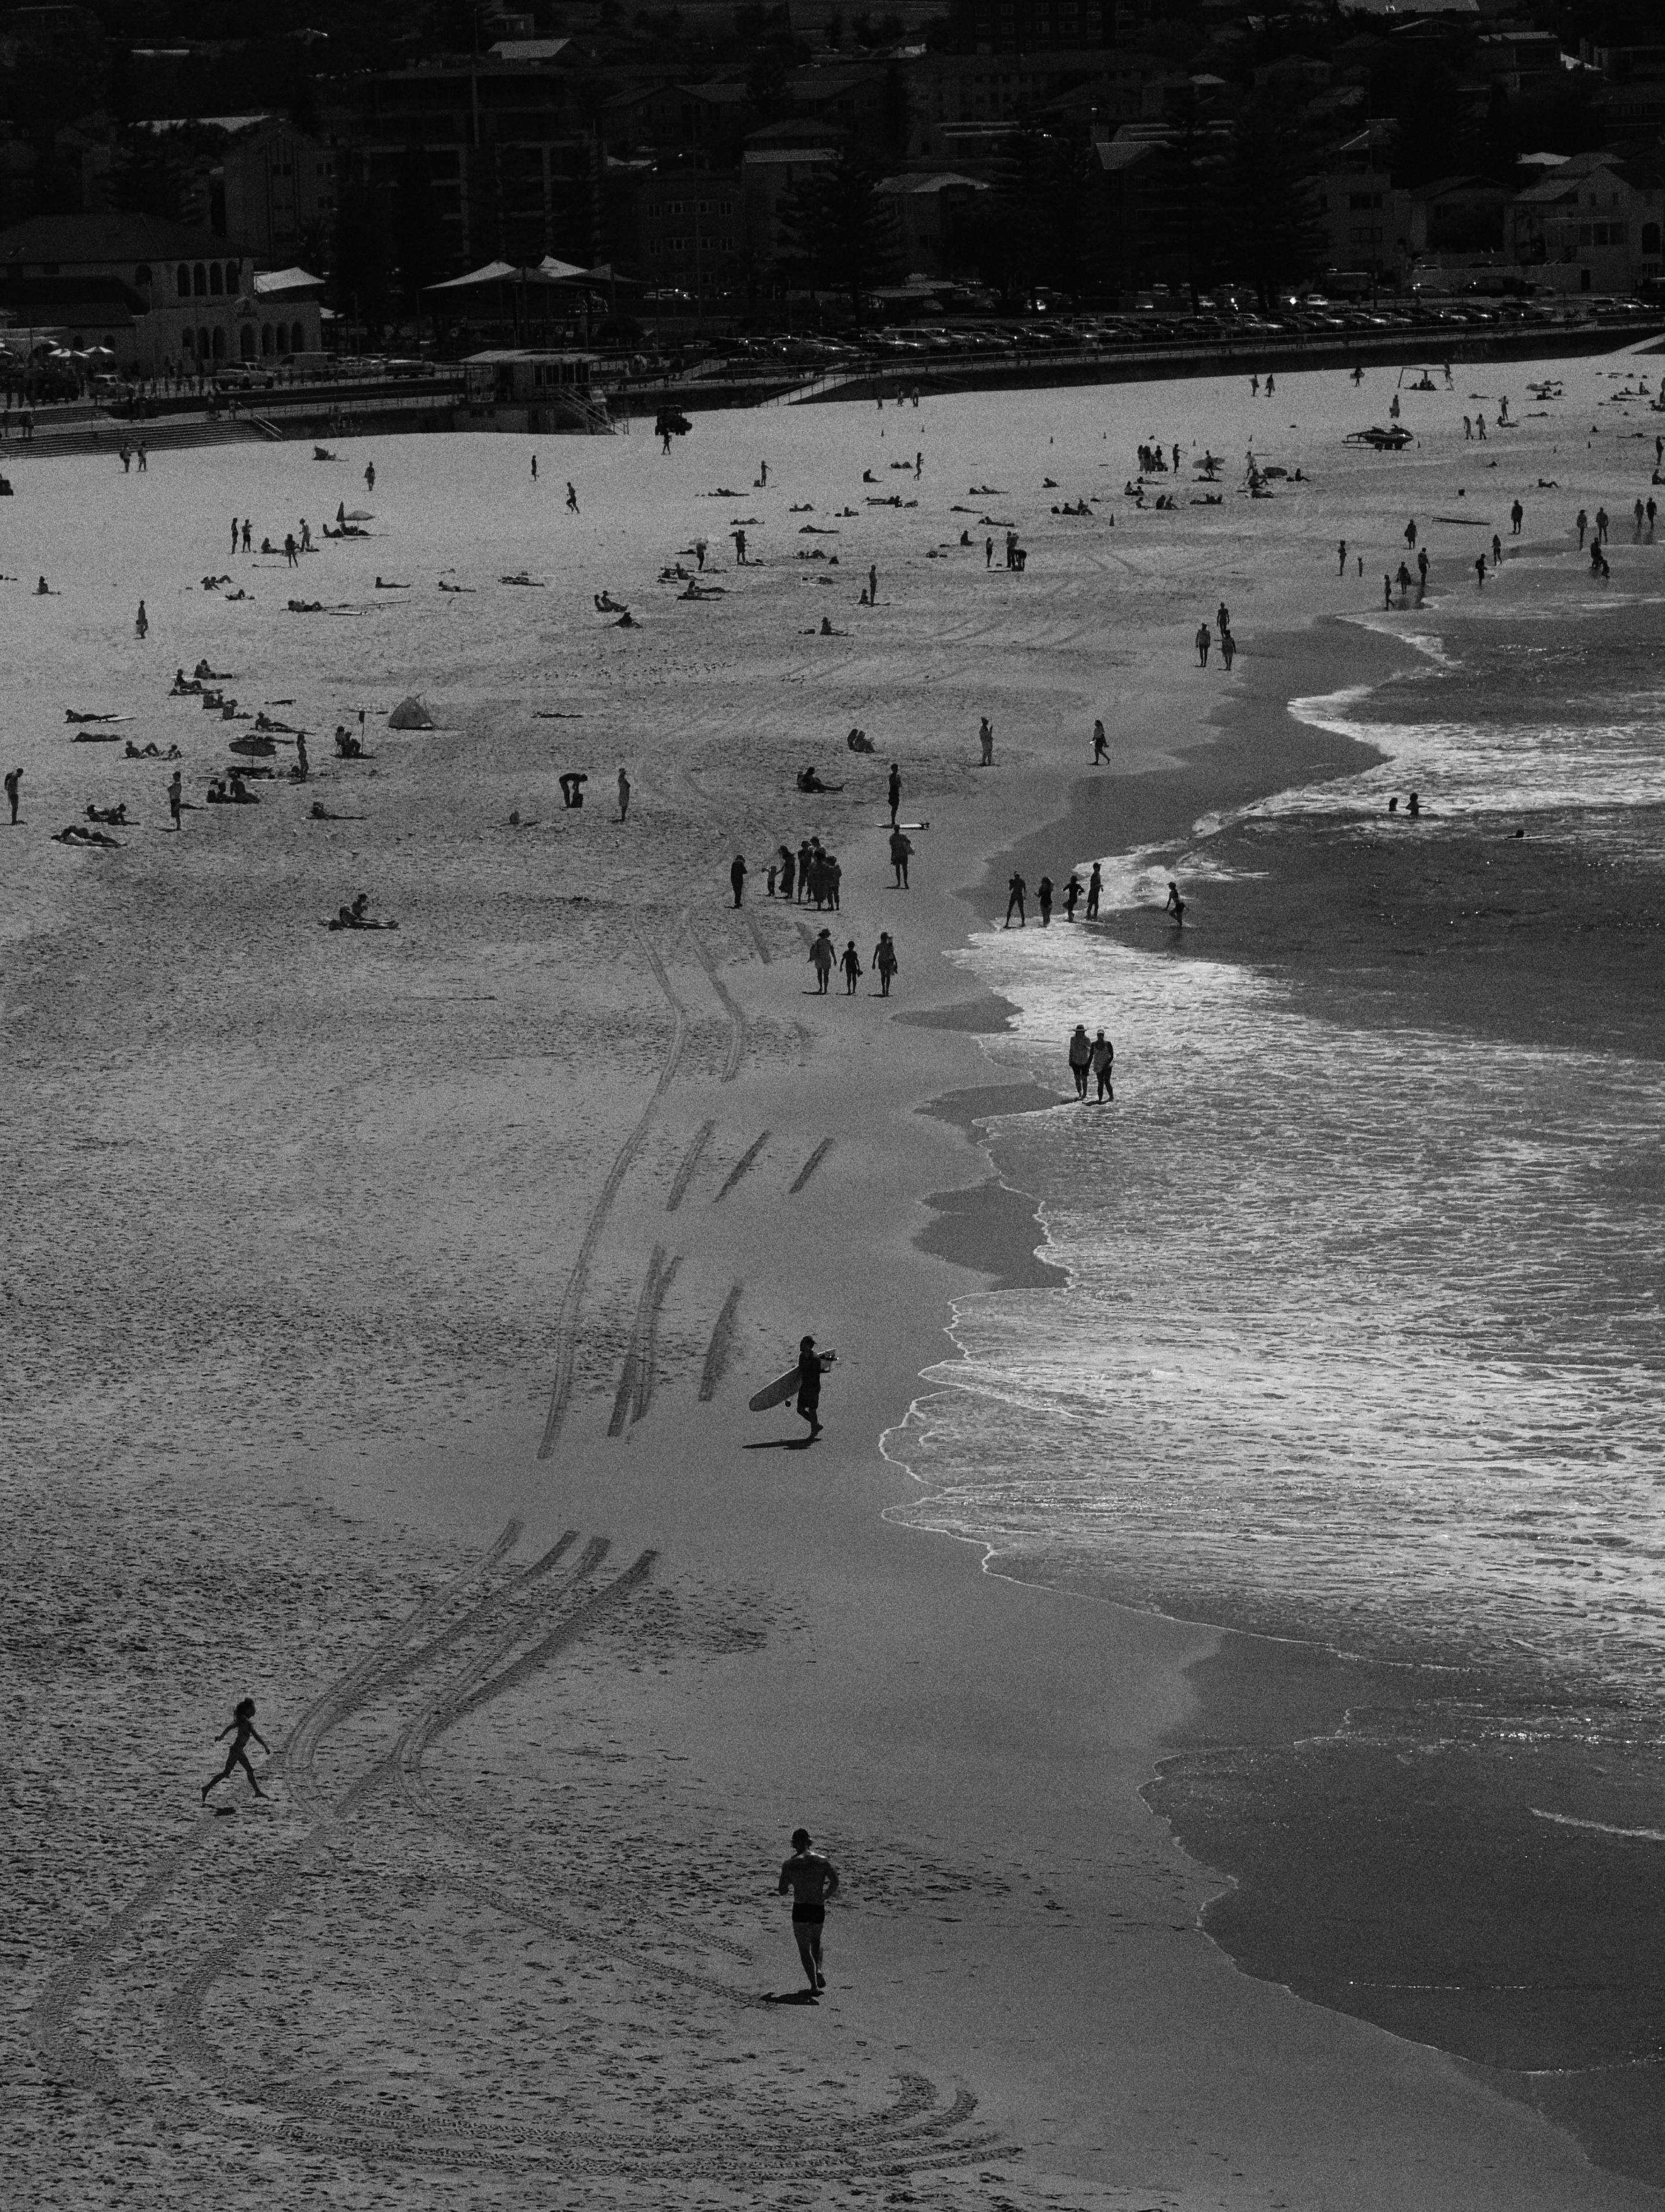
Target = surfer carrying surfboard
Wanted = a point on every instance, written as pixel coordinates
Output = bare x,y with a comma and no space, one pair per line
811,1365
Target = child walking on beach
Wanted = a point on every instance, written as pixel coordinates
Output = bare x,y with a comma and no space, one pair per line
242,1728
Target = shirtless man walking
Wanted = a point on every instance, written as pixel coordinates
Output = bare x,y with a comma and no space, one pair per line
811,1879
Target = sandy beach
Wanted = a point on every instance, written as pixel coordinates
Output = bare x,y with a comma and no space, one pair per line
382,1308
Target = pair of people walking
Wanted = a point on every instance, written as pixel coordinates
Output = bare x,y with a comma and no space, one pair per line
1093,1057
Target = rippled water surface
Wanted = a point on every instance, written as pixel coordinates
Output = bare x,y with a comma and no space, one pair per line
1363,1342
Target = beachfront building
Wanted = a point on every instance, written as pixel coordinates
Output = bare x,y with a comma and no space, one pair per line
291,312
280,189
511,162
934,219
161,295
1593,225
525,388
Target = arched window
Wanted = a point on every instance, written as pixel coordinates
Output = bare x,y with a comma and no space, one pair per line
234,279
188,340
216,282
182,280
199,279
1650,238
246,341
297,340
219,345
265,337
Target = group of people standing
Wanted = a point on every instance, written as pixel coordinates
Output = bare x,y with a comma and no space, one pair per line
1204,639
1018,898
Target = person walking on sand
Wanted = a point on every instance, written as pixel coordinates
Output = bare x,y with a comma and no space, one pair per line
739,549
1410,535
572,498
986,739
175,796
811,1880
820,959
1203,639
370,475
885,964
1072,896
534,468
1341,557
989,552
1014,901
1517,516
893,792
1103,1063
1175,906
1044,900
1101,749
1222,618
736,876
1095,886
872,583
623,796
141,623
1228,649
242,1728
901,846
1600,526
248,535
1080,1056
13,786
1584,525
851,963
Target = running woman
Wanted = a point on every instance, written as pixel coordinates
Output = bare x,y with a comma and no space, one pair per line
242,1728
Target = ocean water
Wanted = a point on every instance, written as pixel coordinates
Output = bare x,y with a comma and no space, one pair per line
1362,1343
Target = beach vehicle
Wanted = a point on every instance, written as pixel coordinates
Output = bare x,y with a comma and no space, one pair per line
1380,440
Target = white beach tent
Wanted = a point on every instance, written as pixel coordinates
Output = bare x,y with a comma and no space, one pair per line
411,714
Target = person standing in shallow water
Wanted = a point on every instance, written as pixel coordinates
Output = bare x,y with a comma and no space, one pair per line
1102,1062
810,1879
893,790
1014,901
1081,1057
242,1728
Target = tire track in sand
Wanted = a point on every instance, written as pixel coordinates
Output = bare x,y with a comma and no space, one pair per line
55,2037
566,1324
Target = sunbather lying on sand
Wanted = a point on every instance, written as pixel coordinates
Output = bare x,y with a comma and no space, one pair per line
151,752
444,587
385,584
699,590
605,604
306,606
355,917
113,818
530,583
96,715
77,833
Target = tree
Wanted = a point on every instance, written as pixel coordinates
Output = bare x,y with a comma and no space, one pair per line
839,229
1263,223
359,271
416,241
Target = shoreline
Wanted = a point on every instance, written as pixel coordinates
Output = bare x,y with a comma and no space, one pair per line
1018,1923
1286,1728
